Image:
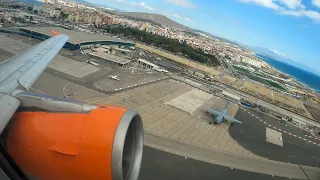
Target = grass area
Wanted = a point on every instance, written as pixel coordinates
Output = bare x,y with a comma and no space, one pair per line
275,84
256,78
264,81
241,69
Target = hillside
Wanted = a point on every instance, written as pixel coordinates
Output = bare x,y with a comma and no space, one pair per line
155,18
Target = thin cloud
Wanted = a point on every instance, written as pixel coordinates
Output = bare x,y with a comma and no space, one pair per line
314,15
190,20
292,4
143,5
182,3
266,3
316,3
281,54
288,7
176,16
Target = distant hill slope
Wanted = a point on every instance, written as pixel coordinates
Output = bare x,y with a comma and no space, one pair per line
155,18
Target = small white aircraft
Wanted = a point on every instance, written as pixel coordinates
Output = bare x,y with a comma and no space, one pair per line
91,62
114,77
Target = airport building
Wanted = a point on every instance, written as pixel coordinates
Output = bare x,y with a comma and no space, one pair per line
122,62
147,64
150,65
76,39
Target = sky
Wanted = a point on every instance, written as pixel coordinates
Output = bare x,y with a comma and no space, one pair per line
290,28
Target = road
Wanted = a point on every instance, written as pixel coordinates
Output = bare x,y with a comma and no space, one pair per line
160,165
251,135
232,160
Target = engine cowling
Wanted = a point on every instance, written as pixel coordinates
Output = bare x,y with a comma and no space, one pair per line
105,143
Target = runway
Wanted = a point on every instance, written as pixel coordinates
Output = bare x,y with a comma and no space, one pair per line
160,165
252,136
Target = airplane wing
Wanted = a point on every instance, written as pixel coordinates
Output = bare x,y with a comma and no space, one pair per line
212,111
22,70
232,119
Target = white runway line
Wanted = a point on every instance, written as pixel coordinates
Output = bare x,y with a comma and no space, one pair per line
285,131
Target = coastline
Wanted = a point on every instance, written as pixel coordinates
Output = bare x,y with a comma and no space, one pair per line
259,56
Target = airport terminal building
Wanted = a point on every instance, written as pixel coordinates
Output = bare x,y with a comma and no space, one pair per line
76,39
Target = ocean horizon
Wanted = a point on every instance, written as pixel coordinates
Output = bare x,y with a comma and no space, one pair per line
308,78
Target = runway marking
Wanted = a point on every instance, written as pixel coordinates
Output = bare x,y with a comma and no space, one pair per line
64,87
312,137
284,130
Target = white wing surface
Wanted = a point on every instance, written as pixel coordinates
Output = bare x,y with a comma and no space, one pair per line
22,70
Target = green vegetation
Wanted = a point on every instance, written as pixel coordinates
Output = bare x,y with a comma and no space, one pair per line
171,45
256,78
275,84
264,81
241,69
64,15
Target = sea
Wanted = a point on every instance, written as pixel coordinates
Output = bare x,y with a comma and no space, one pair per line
303,76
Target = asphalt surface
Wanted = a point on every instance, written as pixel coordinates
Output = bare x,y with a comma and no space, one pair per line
160,165
252,136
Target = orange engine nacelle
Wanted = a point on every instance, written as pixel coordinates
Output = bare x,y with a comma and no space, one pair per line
104,144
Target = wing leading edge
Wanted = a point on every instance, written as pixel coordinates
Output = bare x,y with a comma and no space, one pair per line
23,70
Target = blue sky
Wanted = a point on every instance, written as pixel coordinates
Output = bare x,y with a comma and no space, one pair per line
288,27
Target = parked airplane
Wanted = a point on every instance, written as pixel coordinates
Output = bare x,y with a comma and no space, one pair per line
114,77
93,63
56,138
221,116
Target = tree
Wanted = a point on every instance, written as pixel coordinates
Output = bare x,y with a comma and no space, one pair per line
172,45
64,15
